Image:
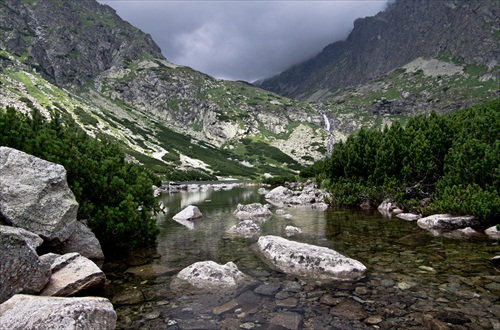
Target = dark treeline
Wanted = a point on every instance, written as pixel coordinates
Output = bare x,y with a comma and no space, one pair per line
437,163
115,197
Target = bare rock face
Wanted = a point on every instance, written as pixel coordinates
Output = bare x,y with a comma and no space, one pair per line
309,261
84,242
446,222
213,276
409,216
245,228
34,312
34,195
21,270
72,273
191,212
252,211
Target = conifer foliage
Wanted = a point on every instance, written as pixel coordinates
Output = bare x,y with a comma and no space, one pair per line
114,196
451,160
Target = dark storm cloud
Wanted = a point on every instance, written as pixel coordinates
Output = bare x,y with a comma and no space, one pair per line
245,40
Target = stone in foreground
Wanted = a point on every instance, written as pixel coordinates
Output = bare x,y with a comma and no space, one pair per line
446,222
309,261
33,312
21,270
252,211
211,275
34,195
71,274
191,212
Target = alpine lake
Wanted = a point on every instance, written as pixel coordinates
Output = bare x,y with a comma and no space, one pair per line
415,280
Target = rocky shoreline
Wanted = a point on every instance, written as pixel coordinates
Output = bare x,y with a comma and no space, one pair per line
38,213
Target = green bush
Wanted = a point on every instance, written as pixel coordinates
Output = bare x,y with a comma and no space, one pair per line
452,159
115,197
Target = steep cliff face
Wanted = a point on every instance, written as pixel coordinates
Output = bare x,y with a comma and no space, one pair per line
70,42
462,30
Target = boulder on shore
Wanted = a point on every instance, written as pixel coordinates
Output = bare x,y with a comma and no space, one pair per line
21,270
34,312
309,261
252,211
211,275
84,242
190,212
446,222
34,195
72,274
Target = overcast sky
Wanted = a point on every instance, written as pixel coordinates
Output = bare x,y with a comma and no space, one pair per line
244,40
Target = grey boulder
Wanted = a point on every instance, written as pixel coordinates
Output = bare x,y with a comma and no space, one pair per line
309,261
252,211
21,270
34,195
34,312
83,241
446,222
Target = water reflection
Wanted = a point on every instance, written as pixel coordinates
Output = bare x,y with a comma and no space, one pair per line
411,273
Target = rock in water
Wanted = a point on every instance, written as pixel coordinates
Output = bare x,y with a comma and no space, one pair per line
252,211
34,195
445,222
33,312
191,212
245,228
21,270
211,275
309,261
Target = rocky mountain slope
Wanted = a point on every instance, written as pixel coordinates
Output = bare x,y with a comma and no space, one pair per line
80,58
452,43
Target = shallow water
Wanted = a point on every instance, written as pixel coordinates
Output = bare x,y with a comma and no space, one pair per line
414,280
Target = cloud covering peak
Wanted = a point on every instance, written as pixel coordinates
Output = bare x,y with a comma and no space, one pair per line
244,40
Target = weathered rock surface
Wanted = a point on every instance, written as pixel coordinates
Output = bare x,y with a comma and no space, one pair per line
34,195
245,228
409,216
493,232
33,312
71,274
387,207
21,270
31,239
292,231
308,196
309,261
252,211
83,241
211,275
190,212
446,222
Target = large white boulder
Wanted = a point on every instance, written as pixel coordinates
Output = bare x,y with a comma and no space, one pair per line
190,212
34,195
446,222
309,261
34,312
279,193
252,211
211,275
